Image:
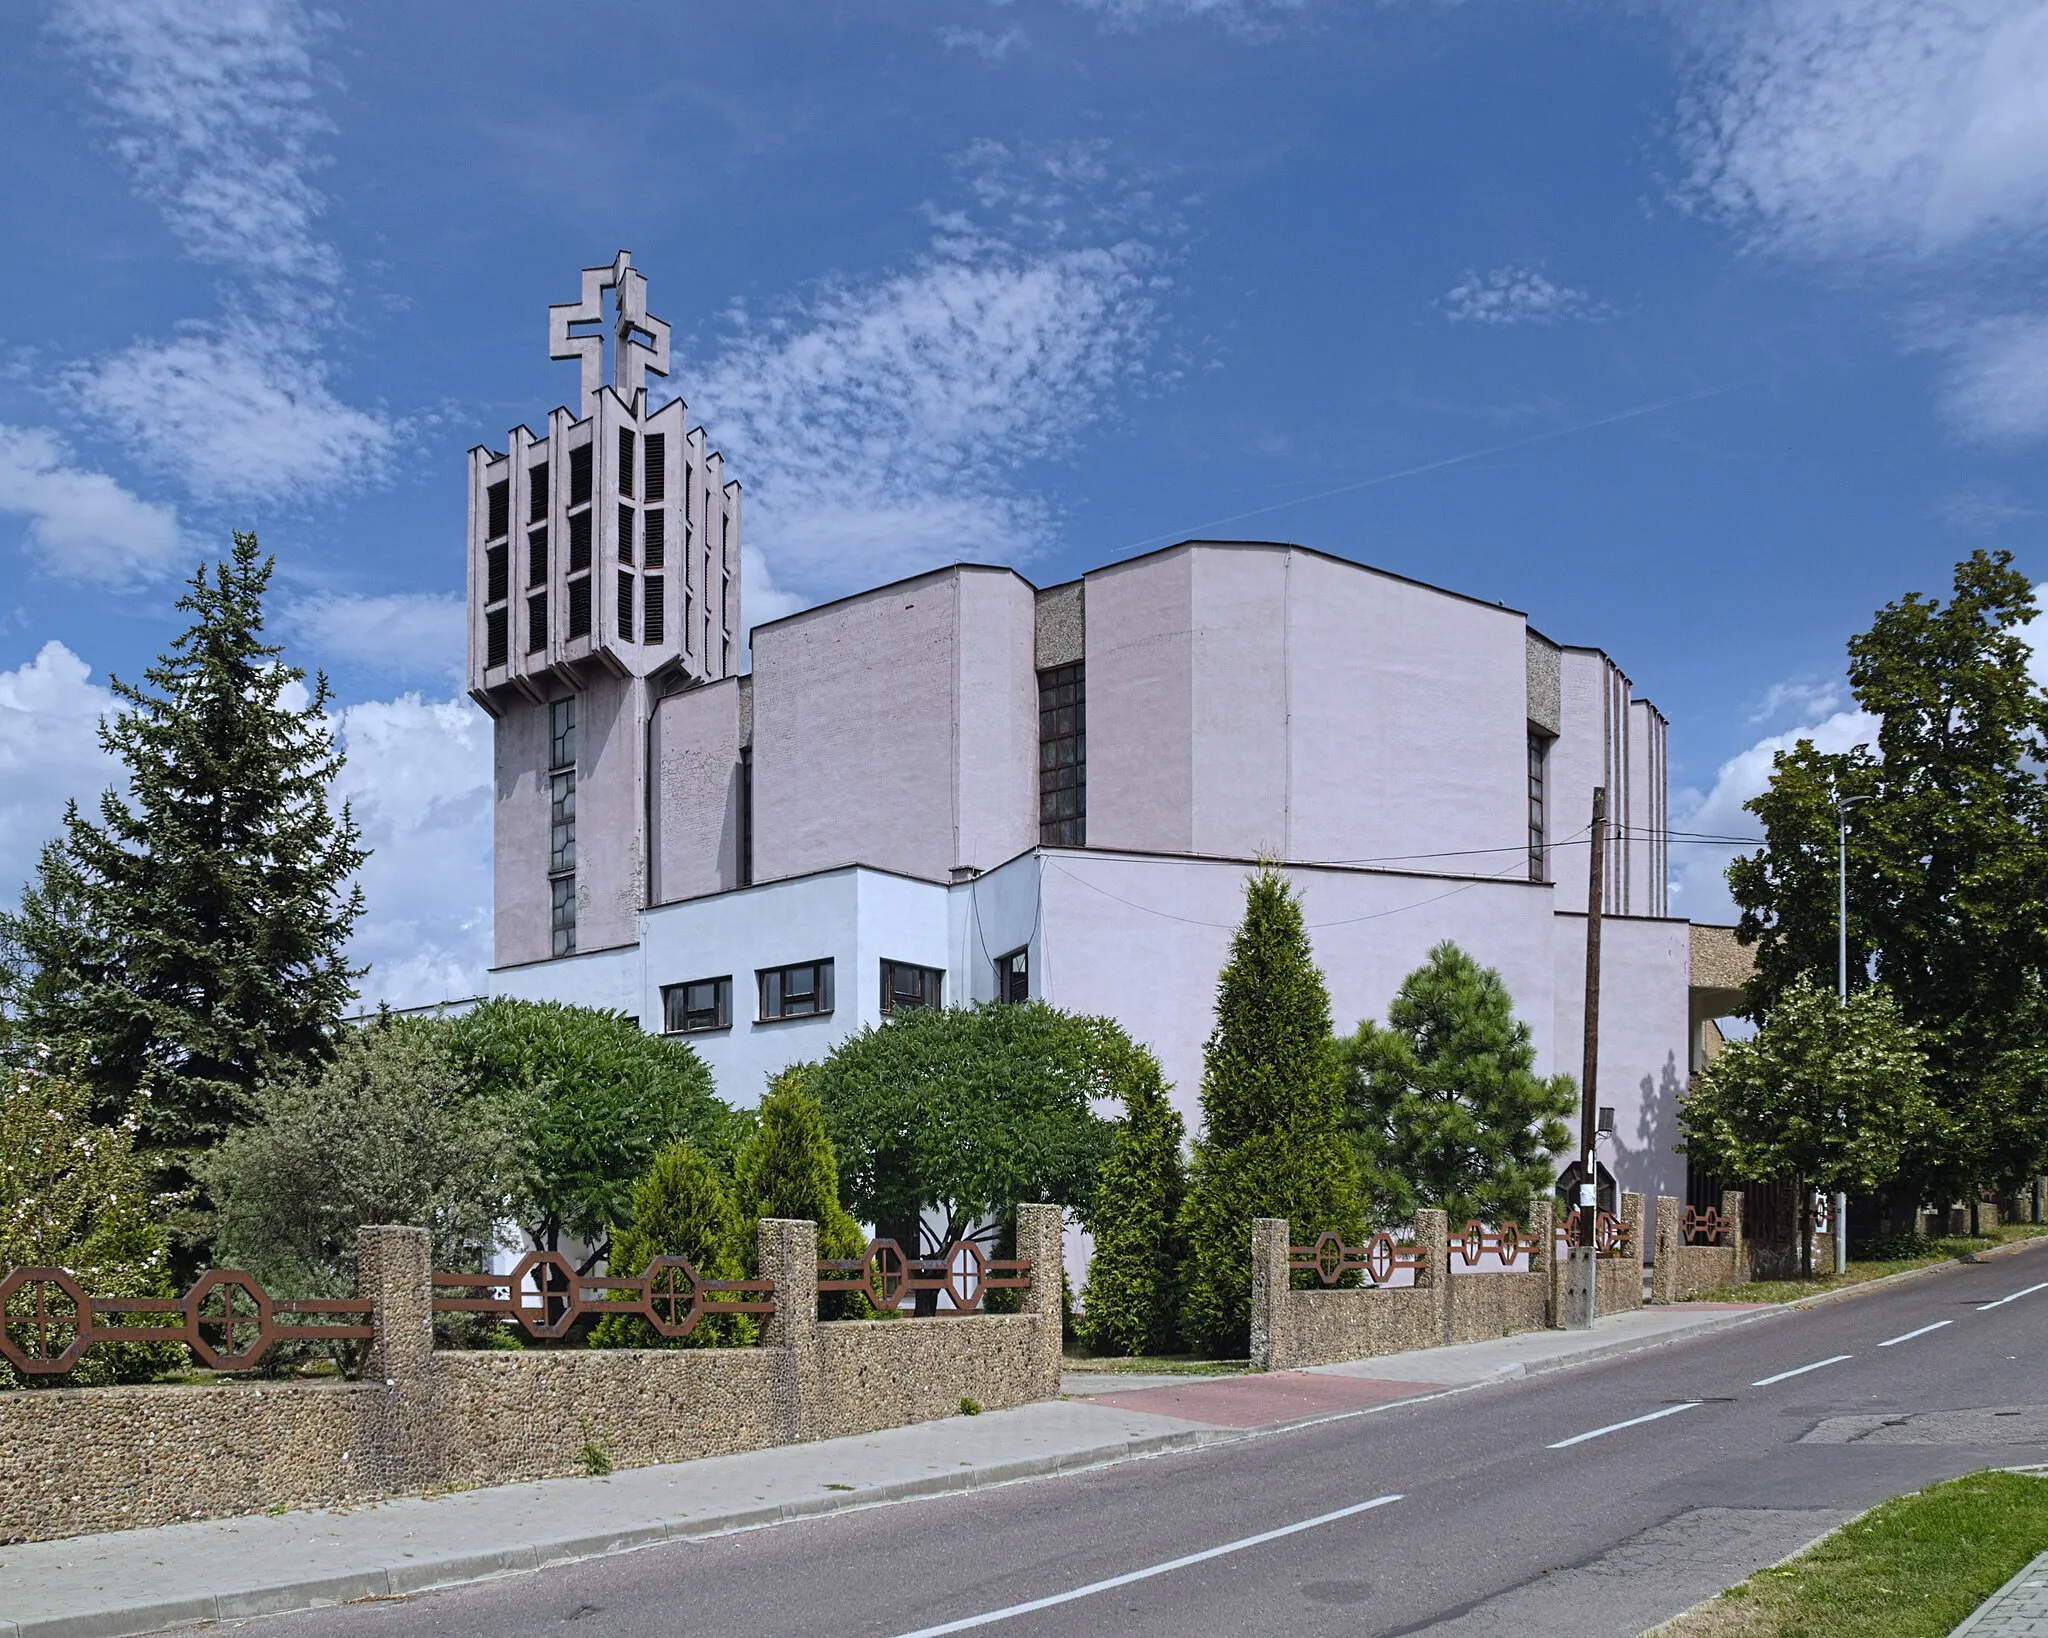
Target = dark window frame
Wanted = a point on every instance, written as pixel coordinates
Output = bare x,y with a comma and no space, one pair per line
773,998
1539,805
1013,975
675,1005
931,979
1063,756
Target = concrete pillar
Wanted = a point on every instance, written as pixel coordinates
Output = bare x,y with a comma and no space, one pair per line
1041,1240
1664,1276
1731,1233
1632,1251
788,1251
1269,1346
1433,1234
1543,1252
395,1272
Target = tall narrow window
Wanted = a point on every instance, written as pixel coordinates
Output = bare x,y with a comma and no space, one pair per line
497,573
537,493
625,605
579,542
494,639
654,616
1062,757
579,475
1013,976
579,607
625,534
537,558
537,623
654,483
746,848
498,504
562,825
625,460
1539,749
654,538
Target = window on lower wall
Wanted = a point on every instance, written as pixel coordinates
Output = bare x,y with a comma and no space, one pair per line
802,991
701,1004
1013,976
906,988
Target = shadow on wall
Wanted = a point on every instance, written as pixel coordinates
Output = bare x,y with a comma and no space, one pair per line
1657,1130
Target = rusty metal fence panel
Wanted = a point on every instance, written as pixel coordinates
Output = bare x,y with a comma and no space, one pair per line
1481,1249
962,1275
545,1295
1381,1261
1612,1236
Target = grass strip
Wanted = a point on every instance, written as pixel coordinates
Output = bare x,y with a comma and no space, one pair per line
1909,1253
1155,1365
1912,1567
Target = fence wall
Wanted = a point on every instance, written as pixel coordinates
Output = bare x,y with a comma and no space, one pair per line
1684,1270
83,1459
1618,1279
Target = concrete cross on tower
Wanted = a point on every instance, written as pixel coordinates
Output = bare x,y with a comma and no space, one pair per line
640,341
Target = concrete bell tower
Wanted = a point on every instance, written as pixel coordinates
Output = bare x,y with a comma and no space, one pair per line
603,573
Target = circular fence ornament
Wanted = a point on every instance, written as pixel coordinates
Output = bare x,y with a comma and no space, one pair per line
966,1270
47,1316
672,1295
1329,1257
886,1274
233,1308
552,1283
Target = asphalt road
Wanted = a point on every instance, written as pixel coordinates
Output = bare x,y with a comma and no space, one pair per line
1503,1510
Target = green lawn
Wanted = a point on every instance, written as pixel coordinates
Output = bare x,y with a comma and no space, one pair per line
1912,1568
1156,1365
1894,1257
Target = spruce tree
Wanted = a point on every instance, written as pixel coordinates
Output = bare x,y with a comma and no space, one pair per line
1445,1104
1131,1304
787,1169
1273,1143
680,1209
190,940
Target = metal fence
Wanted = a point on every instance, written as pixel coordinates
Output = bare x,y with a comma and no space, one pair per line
1380,1261
963,1275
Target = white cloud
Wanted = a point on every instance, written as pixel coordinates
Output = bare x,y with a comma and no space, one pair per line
1130,13
881,426
1810,699
404,634
418,776
1515,295
216,112
1981,507
1996,385
234,415
82,525
2037,640
49,753
761,600
990,48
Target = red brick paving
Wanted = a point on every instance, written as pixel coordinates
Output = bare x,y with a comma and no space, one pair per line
1261,1399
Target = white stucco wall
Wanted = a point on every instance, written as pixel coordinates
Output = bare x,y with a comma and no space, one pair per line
696,745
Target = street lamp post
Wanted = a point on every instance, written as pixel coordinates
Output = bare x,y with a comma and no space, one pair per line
1842,806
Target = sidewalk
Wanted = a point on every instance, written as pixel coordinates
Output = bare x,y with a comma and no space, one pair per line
2020,1607
136,1581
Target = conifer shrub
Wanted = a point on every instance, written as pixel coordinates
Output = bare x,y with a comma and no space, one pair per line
788,1169
1131,1302
1273,1143
681,1208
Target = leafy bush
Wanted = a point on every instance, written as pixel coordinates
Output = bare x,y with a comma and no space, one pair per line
1131,1303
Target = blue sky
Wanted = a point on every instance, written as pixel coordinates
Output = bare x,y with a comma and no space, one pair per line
1709,327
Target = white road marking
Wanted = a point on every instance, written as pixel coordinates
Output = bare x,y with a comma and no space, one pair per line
2015,1297
1632,1422
1910,1335
1816,1365
1171,1564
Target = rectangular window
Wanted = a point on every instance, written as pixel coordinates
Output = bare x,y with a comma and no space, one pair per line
689,607
562,822
655,485
725,663
537,623
564,917
495,639
1062,757
497,573
579,607
654,538
579,542
498,503
625,605
579,475
1539,748
703,1003
537,558
796,992
654,617
625,534
625,460
537,493
906,988
1013,976
746,848
562,733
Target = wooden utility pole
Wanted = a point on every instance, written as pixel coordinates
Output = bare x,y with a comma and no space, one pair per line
1589,1071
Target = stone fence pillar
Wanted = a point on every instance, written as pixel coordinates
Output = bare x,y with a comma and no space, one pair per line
1041,1241
1433,1234
1664,1273
1632,1239
787,1248
1731,1233
395,1273
1269,1345
1543,1251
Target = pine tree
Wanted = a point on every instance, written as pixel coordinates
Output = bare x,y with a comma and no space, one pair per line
680,1209
190,940
1273,1110
1131,1304
1445,1103
787,1169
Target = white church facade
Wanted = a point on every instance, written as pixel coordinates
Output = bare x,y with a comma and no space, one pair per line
965,787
